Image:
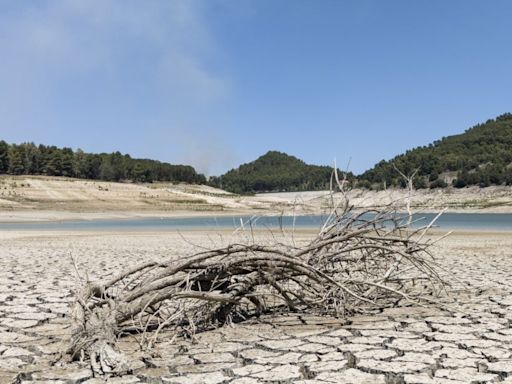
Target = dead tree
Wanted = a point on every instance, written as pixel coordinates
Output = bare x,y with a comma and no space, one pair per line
409,182
358,261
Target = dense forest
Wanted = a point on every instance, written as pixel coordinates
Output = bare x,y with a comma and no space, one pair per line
29,159
482,156
275,171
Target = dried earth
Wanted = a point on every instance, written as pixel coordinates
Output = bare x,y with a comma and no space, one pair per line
36,198
470,344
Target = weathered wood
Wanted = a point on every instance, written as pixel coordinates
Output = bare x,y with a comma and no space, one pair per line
354,263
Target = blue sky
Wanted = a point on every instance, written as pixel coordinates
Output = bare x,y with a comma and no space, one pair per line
216,83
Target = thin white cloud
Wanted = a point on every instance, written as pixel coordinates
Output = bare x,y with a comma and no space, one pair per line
124,51
182,76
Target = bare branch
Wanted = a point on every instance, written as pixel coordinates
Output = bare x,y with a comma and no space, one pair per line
358,261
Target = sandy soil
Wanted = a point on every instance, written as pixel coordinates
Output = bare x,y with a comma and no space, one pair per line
401,345
473,199
52,198
46,198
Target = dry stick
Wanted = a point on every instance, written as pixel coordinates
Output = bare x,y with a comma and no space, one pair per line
78,277
409,180
332,273
341,185
281,291
432,242
163,280
129,272
430,225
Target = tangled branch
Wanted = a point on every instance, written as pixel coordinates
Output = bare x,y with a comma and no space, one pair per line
358,261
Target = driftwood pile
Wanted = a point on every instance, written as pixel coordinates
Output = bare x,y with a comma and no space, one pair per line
357,262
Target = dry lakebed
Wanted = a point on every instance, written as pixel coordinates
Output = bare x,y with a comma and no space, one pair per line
470,343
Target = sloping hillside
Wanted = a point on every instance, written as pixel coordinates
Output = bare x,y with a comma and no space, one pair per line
275,172
29,193
480,156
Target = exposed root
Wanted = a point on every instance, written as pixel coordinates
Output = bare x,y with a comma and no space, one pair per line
358,261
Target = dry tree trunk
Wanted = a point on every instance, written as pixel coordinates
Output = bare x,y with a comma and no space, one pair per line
357,261
409,180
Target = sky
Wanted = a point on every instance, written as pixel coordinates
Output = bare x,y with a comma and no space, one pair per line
217,83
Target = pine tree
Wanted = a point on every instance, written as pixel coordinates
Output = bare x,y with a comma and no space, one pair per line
16,166
4,157
54,167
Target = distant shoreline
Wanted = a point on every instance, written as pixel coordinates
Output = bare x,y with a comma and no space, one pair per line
231,221
28,199
63,216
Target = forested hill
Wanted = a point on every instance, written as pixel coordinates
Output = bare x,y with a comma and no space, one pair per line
482,156
274,171
29,159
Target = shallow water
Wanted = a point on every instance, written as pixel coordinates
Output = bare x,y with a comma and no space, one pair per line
448,221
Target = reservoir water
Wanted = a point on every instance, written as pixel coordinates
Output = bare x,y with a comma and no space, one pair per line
448,221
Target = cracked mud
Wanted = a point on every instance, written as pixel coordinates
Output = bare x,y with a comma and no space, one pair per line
472,344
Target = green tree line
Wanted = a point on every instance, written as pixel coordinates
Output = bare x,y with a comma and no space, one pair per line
482,155
31,159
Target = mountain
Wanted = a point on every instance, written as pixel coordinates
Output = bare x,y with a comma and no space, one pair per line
274,172
482,155
29,159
